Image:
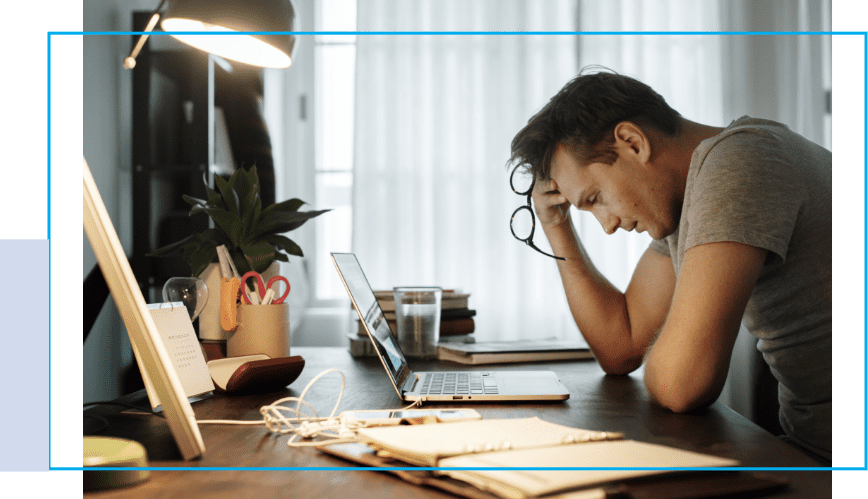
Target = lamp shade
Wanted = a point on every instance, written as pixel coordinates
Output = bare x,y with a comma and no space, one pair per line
226,16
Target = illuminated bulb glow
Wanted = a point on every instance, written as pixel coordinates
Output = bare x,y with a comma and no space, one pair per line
241,48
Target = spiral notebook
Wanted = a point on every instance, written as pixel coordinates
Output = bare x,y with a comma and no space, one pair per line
516,449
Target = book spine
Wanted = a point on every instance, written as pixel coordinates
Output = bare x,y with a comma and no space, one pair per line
361,347
450,300
454,327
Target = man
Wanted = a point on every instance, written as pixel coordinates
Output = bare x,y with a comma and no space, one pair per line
741,219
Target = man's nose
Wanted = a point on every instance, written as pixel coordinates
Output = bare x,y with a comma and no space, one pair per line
608,221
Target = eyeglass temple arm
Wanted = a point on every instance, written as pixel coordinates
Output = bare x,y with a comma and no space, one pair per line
543,252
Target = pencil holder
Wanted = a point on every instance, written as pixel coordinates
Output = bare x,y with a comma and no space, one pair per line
261,329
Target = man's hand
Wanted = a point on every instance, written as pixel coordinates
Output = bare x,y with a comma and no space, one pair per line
552,207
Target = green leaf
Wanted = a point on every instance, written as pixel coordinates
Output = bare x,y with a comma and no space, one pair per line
259,254
251,218
281,256
286,244
228,222
285,222
199,255
194,201
230,198
290,205
215,236
253,221
247,187
174,248
241,263
214,197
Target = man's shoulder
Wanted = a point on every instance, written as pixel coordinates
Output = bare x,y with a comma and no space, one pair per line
745,138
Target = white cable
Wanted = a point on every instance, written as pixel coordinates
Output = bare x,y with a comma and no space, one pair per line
341,429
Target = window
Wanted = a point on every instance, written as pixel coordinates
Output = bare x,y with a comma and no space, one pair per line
334,84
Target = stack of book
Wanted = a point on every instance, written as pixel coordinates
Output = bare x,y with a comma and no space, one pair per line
456,321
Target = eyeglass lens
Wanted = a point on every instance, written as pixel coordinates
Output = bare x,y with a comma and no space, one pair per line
521,183
523,221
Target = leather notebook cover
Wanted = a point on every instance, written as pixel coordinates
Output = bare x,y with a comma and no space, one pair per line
258,374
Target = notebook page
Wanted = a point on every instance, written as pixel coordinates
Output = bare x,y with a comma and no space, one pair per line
519,484
426,444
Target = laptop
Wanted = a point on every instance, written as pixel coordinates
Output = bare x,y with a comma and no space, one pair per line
445,386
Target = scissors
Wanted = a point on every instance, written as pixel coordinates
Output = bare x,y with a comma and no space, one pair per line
263,287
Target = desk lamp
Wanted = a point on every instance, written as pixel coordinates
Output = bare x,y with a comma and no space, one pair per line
227,16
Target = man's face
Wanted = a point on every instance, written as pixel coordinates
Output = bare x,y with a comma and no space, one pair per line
627,194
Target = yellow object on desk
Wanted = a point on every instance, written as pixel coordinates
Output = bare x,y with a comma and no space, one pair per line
229,289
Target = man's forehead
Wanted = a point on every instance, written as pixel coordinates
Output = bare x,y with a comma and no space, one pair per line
562,160
564,164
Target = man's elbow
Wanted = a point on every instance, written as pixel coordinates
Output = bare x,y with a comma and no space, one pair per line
681,404
680,396
621,365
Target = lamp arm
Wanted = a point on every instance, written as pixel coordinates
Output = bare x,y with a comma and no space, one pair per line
130,61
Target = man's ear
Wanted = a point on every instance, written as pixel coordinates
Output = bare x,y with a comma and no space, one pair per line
631,140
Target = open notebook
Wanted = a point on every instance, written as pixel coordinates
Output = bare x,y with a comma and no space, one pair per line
515,449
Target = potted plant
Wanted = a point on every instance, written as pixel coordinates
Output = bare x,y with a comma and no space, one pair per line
252,235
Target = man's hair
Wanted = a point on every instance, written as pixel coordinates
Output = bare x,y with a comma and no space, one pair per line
582,117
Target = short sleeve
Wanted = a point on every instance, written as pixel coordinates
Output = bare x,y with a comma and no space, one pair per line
660,246
745,191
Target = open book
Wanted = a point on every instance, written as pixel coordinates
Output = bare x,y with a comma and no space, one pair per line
460,449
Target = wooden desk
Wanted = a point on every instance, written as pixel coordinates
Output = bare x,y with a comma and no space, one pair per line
597,402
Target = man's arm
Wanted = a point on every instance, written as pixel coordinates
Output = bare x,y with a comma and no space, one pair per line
619,327
687,366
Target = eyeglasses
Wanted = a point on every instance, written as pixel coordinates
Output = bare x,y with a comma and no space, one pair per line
523,221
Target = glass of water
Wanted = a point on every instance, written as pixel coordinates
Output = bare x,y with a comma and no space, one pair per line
417,311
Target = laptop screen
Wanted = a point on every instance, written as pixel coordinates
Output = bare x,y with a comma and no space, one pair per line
369,311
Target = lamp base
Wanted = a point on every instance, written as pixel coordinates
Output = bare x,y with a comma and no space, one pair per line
109,452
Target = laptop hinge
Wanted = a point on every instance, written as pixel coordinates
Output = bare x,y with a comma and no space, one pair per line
410,382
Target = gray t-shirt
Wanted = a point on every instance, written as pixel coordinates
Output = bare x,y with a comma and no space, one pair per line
761,184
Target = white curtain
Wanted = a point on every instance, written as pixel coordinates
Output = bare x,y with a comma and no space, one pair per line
435,116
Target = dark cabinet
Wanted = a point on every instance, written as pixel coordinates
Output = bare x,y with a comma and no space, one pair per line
169,153
173,88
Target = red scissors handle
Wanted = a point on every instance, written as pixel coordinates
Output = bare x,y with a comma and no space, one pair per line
245,289
275,279
262,287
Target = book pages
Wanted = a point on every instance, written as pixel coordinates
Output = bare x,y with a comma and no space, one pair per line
425,445
525,483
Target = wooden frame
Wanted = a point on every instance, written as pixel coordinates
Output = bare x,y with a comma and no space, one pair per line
142,331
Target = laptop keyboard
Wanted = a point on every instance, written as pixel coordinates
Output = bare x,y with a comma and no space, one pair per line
458,384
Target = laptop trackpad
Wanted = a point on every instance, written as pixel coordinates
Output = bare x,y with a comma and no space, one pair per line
530,382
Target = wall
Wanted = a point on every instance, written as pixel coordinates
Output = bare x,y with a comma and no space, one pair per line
107,137
107,148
